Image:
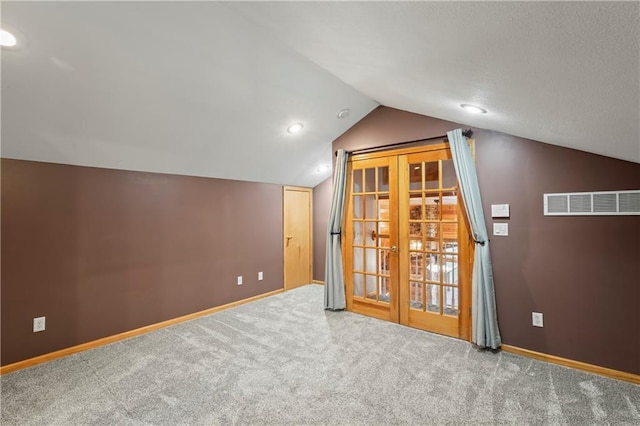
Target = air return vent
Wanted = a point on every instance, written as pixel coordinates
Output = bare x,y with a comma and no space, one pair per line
592,203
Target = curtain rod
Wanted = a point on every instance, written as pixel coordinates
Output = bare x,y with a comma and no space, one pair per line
466,133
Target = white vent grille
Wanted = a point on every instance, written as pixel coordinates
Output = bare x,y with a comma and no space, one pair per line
592,203
580,203
629,202
605,202
556,204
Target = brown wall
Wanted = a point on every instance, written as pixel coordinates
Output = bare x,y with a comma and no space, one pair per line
581,272
99,251
323,193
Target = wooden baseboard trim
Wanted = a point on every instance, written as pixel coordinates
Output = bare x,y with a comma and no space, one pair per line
127,334
578,365
317,282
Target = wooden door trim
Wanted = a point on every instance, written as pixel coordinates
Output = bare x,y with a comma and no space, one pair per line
371,308
347,249
310,230
394,240
413,150
465,251
402,151
403,230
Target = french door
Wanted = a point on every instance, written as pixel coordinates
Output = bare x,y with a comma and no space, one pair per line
407,246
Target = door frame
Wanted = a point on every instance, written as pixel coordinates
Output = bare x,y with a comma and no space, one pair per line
466,251
287,285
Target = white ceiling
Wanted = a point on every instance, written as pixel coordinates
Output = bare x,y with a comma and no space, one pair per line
208,88
184,88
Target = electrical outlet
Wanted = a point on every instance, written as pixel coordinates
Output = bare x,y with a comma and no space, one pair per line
536,319
240,280
38,324
260,276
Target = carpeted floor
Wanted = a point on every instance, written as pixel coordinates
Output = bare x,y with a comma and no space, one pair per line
284,360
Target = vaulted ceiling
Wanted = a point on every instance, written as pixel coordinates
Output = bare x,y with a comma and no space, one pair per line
209,88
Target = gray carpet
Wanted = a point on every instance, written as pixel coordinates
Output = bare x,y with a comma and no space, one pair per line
284,360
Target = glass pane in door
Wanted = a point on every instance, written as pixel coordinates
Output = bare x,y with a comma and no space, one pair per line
370,233
383,261
433,298
450,269
432,268
357,207
371,207
415,295
371,287
431,176
358,233
371,228
358,285
415,176
450,300
383,179
385,289
432,242
448,174
357,181
358,259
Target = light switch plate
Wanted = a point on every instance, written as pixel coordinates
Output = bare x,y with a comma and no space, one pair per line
501,229
499,210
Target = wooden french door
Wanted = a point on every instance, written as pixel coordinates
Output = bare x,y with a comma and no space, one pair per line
407,246
371,262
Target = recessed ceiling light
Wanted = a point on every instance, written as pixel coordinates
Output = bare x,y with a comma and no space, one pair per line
344,113
7,39
473,109
295,128
323,169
